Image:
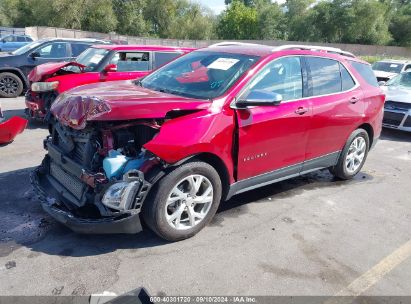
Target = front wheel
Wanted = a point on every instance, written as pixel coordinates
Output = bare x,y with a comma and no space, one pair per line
184,201
353,156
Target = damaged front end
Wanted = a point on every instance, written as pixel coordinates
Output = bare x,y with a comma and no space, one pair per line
95,180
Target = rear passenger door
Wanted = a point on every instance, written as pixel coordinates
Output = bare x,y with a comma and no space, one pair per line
337,105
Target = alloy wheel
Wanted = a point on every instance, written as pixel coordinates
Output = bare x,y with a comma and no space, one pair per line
8,85
355,155
189,202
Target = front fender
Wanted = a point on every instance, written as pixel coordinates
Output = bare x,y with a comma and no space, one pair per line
201,132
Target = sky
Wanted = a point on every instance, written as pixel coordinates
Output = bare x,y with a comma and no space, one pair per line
218,5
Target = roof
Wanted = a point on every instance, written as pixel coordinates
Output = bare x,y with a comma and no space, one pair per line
265,50
139,47
88,40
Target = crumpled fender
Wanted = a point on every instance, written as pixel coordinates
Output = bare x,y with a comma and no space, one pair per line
11,128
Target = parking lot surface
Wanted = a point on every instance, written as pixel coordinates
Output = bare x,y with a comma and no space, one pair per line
311,235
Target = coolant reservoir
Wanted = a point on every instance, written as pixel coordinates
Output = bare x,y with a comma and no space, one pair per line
113,163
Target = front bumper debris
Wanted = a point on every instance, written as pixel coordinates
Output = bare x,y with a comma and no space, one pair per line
60,203
9,129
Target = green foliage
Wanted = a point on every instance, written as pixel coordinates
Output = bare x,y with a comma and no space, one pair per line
238,21
338,21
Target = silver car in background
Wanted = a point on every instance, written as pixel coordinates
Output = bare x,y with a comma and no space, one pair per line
386,69
397,108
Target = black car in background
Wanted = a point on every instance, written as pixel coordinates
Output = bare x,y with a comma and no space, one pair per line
16,65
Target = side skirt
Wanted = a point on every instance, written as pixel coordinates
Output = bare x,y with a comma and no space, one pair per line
278,175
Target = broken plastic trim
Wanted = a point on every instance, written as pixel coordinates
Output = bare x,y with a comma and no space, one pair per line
74,111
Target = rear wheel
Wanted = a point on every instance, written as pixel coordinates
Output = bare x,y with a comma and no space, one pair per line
353,156
10,85
184,201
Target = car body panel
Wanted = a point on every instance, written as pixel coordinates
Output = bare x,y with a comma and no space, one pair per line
35,100
253,145
10,128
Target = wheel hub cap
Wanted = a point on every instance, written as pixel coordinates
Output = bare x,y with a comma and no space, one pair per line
189,202
355,155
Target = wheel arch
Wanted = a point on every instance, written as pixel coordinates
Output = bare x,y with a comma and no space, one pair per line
370,131
18,73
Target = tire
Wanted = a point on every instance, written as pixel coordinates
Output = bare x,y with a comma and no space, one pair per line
347,167
157,213
10,85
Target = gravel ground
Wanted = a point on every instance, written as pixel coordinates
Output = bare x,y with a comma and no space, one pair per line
310,235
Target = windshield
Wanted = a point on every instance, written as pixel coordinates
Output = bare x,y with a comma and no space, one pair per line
203,75
403,79
389,67
27,48
91,58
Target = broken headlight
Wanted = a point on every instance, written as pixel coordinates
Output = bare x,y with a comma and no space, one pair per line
44,86
121,195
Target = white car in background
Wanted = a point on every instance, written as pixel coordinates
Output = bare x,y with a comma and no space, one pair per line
397,108
384,70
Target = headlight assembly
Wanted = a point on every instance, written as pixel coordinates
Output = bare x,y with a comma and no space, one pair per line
121,195
44,86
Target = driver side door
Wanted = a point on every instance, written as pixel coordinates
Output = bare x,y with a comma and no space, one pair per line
273,138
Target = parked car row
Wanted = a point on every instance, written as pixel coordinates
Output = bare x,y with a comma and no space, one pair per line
168,148
13,42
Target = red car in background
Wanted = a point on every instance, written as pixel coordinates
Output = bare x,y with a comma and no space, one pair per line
96,64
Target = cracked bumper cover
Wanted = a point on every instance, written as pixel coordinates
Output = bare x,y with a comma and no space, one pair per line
125,222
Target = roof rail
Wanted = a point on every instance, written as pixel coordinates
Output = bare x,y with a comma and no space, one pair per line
314,48
232,43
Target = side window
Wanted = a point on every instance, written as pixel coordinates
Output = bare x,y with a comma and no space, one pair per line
408,68
78,48
131,61
53,50
325,75
282,76
161,58
9,39
21,39
347,81
29,39
366,73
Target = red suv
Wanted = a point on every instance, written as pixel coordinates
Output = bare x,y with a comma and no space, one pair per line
96,64
211,124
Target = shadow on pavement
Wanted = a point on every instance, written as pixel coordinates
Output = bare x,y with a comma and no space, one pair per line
395,135
24,223
33,124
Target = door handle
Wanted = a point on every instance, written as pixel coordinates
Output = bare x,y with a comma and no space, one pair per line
354,100
301,110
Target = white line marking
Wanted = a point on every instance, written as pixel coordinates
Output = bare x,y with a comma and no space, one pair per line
372,276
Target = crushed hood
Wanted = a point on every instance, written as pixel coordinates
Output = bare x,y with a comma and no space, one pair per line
382,74
118,100
397,93
38,73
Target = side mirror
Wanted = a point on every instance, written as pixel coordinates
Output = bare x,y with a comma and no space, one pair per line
110,68
381,83
34,55
260,98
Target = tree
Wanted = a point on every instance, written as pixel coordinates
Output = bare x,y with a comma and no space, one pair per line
299,19
238,21
400,26
271,21
130,17
98,16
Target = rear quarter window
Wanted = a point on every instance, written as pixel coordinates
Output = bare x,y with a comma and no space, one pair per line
78,48
161,58
366,73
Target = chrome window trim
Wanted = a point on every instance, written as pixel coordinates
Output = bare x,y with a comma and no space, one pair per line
357,84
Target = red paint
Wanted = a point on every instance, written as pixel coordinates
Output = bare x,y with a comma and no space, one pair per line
46,72
269,137
11,128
